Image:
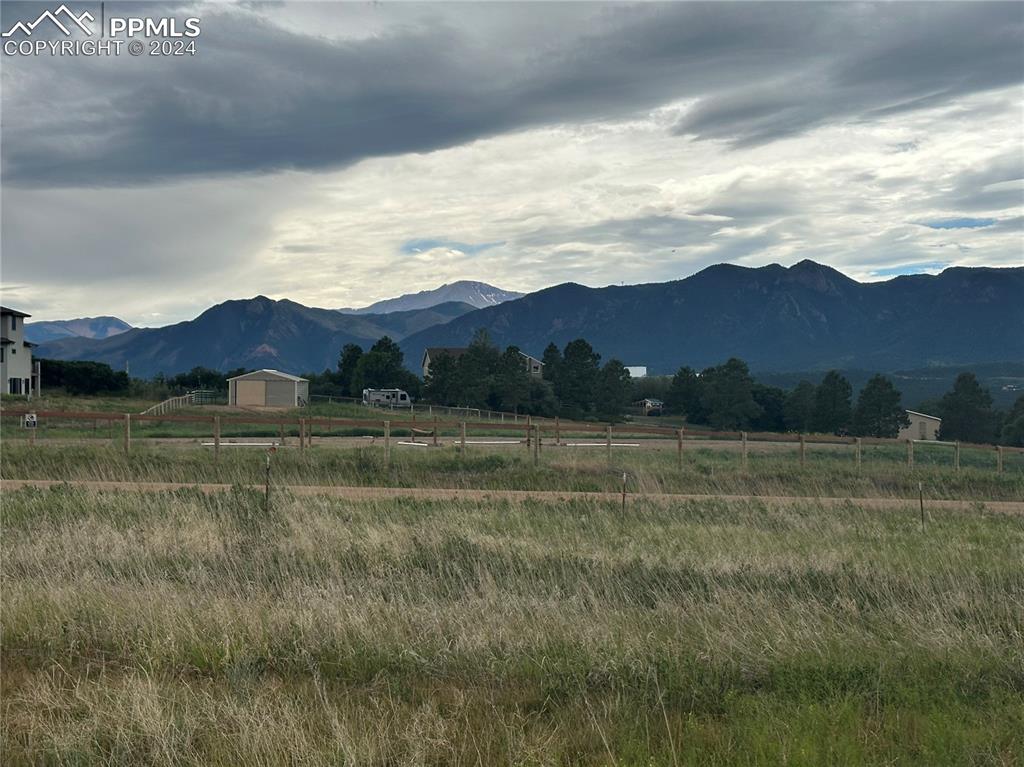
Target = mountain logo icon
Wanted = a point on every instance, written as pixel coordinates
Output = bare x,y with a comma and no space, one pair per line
55,17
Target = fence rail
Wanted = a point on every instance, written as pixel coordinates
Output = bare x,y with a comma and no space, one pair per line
197,397
528,427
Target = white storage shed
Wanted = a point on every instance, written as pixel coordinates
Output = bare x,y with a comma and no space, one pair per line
268,388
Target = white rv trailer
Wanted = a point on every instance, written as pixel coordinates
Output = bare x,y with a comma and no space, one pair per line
391,398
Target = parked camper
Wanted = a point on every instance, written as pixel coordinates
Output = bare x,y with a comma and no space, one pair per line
386,398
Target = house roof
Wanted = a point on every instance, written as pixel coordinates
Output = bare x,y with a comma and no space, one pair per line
924,415
531,357
266,373
15,312
452,351
5,340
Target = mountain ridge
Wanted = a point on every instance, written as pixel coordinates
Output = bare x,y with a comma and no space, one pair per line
253,333
476,294
807,316
804,317
103,326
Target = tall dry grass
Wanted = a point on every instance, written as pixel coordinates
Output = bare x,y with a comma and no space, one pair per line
183,628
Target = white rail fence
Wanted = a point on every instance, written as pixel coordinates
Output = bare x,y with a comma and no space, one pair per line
197,397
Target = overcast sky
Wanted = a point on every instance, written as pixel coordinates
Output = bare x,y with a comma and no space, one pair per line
336,154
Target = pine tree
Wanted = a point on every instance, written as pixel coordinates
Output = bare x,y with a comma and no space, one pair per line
613,391
966,411
576,381
684,396
347,362
798,411
879,412
728,395
832,404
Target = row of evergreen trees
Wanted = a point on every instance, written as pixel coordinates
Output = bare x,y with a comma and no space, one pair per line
727,397
574,385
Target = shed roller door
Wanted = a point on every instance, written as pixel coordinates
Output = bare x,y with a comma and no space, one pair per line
251,393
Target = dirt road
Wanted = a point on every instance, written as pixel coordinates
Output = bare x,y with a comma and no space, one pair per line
379,493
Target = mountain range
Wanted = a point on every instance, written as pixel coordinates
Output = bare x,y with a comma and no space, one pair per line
84,327
476,294
251,333
805,317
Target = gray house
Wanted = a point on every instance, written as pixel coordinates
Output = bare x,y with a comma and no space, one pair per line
268,388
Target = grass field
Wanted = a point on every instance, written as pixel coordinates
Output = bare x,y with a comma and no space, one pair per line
186,628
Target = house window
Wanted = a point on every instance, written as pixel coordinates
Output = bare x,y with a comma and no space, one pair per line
14,322
2,353
922,430
15,386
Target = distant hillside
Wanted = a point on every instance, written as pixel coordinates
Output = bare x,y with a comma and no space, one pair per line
251,333
805,317
85,327
476,294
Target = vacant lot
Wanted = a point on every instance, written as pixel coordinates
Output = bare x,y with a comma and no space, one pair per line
193,628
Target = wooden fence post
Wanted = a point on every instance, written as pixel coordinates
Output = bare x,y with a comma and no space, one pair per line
309,432
956,455
536,445
743,439
910,453
462,439
216,438
435,431
387,444
302,434
529,427
558,431
803,450
857,447
999,459
280,428
608,442
679,447
127,433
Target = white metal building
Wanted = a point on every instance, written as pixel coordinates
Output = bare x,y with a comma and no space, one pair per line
268,388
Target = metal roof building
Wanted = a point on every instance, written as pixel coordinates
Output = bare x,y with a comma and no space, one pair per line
268,388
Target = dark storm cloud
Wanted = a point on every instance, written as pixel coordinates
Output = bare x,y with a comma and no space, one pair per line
261,98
